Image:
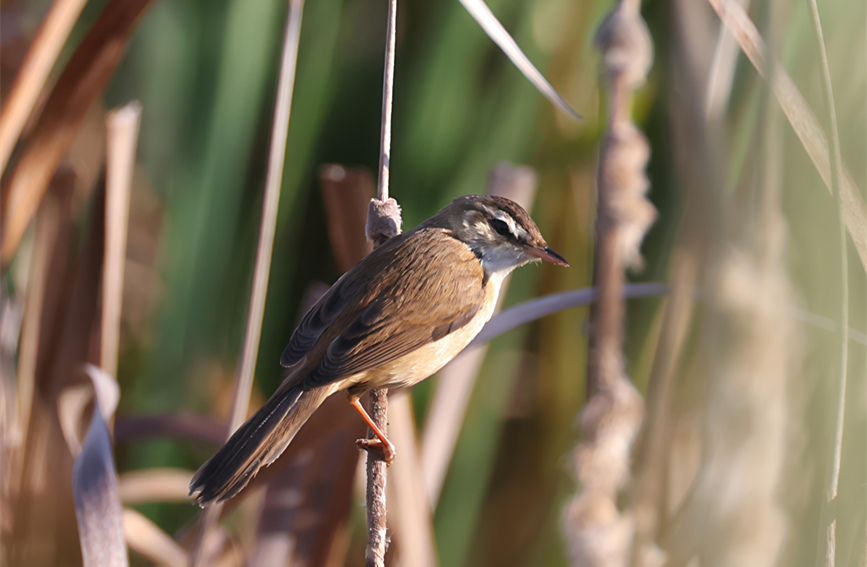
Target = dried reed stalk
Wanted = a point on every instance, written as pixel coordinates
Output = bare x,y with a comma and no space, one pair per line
122,127
84,79
267,228
49,223
597,533
43,529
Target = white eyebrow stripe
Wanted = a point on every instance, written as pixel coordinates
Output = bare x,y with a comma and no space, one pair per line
516,230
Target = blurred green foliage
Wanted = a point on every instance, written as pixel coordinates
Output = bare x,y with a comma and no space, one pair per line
205,72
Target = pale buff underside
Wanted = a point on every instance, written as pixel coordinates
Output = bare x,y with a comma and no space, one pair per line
428,359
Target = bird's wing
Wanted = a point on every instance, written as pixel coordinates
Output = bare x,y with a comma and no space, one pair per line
396,300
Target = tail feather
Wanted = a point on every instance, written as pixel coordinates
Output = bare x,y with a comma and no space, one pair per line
255,444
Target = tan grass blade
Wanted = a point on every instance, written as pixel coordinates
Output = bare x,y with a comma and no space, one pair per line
722,73
34,72
801,117
410,509
148,540
495,30
154,485
82,81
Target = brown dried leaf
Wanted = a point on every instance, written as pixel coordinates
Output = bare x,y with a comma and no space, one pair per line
82,81
43,52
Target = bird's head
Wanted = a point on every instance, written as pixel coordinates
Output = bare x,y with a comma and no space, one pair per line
498,230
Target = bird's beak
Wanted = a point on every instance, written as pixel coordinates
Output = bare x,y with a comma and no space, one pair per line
547,254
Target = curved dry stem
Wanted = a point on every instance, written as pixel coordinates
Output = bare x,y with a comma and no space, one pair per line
268,226
826,552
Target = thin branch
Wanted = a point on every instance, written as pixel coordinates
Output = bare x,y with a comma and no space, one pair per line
383,222
34,72
270,203
122,127
383,215
828,525
387,100
377,511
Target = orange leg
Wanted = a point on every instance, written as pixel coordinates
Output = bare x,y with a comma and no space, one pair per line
381,444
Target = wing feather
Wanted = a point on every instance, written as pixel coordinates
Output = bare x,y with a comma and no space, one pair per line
397,299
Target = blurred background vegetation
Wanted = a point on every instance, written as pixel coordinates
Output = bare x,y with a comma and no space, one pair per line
205,73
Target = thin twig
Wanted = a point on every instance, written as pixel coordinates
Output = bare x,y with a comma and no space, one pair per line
34,72
383,222
122,127
377,511
826,552
270,203
387,99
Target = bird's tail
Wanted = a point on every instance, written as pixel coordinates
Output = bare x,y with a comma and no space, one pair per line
255,444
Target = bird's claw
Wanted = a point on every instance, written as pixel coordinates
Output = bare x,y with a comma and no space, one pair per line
385,451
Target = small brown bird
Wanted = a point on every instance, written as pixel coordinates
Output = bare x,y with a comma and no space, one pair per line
397,317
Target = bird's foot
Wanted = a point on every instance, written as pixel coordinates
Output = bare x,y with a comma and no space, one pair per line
384,451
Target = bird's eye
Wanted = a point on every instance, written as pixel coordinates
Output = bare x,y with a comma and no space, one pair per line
501,227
